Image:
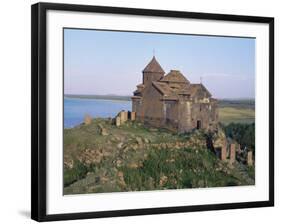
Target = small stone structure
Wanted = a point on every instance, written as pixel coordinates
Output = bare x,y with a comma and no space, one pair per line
124,116
133,116
232,154
87,119
223,153
250,158
233,149
117,121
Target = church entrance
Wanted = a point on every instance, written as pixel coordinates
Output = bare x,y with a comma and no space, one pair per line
198,124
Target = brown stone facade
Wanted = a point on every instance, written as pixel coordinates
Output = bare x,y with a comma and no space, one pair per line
171,101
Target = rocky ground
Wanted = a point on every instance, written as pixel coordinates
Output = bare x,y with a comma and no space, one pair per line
100,157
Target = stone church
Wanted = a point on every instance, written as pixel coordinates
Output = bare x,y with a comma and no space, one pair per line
171,101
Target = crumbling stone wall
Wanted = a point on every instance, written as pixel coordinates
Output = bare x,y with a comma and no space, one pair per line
124,116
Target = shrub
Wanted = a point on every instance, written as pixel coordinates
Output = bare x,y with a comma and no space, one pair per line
78,172
244,134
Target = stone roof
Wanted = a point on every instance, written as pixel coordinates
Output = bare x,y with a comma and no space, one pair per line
154,67
139,89
136,92
195,87
175,76
170,93
172,85
140,85
162,87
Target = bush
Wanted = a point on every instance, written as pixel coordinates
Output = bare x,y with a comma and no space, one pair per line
78,172
244,134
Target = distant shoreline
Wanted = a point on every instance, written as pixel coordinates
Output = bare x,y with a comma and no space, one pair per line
239,102
100,97
90,96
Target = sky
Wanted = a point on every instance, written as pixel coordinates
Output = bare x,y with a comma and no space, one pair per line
111,62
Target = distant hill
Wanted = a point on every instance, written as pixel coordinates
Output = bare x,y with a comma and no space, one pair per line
237,103
100,97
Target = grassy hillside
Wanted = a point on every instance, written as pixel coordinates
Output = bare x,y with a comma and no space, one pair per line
101,157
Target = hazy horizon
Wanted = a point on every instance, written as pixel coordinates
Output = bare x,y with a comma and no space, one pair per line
111,62
93,94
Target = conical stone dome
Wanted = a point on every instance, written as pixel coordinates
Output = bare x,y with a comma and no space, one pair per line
153,67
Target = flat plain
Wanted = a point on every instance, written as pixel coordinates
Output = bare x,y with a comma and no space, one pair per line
236,115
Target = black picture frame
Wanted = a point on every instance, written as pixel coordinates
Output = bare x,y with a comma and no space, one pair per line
39,108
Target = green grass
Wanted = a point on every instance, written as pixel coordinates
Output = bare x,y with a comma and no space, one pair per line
78,172
183,168
236,115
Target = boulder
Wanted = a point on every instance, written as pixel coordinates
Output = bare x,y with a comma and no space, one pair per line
146,140
133,165
103,131
153,129
139,140
118,163
163,180
119,145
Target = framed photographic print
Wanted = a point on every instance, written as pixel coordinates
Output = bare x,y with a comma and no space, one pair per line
139,111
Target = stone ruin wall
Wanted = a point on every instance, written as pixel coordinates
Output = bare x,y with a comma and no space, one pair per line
230,153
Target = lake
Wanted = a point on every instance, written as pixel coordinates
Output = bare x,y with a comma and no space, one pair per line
76,108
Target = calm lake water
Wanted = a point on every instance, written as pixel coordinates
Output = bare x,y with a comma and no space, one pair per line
75,109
